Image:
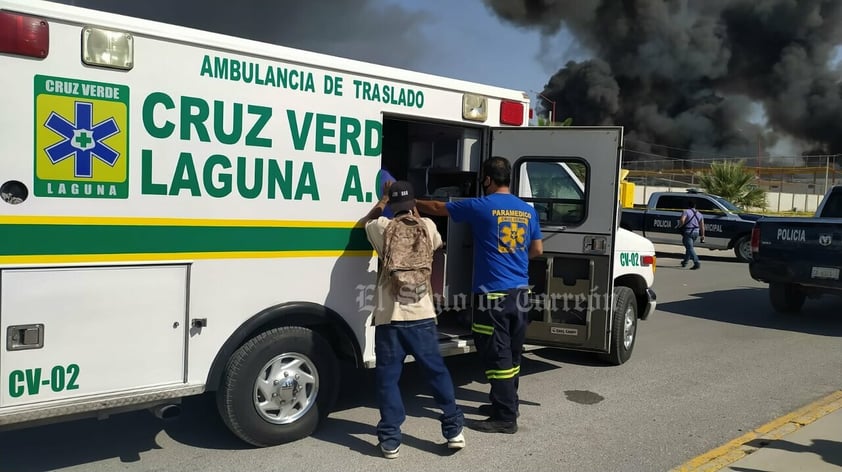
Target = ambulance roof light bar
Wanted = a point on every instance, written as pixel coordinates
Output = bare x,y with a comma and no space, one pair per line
24,35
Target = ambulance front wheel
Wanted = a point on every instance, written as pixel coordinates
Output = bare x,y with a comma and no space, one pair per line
278,386
623,327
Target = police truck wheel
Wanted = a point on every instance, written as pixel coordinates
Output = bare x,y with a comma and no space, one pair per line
742,249
278,386
786,298
624,327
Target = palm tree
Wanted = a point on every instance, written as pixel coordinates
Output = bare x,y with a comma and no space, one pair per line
730,180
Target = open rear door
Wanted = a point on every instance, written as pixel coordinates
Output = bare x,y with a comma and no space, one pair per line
571,176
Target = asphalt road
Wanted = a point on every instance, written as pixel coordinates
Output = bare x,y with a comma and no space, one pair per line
711,363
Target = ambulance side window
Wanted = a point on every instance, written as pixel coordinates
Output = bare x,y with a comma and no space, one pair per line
555,187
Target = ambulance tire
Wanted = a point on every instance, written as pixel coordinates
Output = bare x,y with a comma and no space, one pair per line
623,327
239,399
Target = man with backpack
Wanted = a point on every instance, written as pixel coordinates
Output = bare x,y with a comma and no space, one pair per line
405,316
692,225
506,233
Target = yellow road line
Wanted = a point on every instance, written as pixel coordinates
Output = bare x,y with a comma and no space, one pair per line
738,448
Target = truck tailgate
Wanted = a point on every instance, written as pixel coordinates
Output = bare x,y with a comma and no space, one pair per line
801,250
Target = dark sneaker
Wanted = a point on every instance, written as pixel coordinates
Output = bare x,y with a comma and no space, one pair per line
488,410
495,426
696,267
683,263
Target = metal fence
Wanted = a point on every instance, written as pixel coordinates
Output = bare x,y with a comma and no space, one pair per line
811,175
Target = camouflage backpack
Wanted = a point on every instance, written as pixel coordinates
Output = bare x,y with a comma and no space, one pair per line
407,258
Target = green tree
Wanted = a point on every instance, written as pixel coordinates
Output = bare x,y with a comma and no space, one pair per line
732,181
546,122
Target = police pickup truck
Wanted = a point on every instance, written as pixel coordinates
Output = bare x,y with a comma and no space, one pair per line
800,257
726,225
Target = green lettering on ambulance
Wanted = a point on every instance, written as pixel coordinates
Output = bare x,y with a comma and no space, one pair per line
184,176
236,121
299,134
373,138
353,185
16,384
57,378
257,187
279,180
197,119
73,370
33,380
207,68
323,131
147,187
349,133
157,98
263,115
307,183
217,160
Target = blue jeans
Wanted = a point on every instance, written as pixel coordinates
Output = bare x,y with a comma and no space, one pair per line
392,343
688,238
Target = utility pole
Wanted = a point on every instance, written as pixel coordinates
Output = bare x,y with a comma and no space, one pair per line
552,113
826,172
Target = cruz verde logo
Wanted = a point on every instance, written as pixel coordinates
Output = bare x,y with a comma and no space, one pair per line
81,138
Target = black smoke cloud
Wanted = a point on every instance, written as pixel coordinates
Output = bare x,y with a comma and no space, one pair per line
357,30
684,73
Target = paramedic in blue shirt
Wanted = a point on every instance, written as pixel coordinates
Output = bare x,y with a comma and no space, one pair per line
507,234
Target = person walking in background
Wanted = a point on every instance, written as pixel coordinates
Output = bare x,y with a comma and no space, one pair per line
405,316
507,234
692,224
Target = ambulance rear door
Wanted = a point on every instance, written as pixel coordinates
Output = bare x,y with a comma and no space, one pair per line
571,176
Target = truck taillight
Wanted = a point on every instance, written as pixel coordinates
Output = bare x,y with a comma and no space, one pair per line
24,35
755,239
511,113
648,261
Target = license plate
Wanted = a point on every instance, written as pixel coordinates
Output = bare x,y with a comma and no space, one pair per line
825,273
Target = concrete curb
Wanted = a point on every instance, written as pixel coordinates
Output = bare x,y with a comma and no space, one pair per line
750,442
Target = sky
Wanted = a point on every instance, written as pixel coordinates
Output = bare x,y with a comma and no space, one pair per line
691,77
462,39
467,41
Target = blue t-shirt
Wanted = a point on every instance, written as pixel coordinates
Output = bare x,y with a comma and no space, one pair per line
503,227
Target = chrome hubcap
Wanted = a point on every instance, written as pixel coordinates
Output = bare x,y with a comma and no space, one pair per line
628,327
286,388
745,250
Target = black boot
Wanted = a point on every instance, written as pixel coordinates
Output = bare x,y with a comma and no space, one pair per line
488,410
492,425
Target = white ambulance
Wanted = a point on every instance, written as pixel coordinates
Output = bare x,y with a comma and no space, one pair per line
179,216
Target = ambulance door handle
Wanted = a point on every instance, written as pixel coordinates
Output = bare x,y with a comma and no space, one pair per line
594,245
22,337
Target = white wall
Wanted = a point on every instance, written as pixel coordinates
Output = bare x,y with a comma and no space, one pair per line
776,201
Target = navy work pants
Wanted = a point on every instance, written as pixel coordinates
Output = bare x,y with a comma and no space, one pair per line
499,327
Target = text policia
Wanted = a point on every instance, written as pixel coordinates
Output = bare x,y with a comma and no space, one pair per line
218,175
